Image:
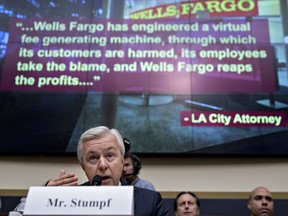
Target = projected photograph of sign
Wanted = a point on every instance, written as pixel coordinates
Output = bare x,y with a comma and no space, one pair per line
174,77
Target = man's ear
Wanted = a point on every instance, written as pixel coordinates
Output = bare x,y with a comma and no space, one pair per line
82,166
249,205
122,160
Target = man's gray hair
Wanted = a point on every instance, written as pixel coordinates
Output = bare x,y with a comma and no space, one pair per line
98,133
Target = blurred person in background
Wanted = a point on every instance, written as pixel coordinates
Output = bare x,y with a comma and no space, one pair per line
260,202
186,203
131,169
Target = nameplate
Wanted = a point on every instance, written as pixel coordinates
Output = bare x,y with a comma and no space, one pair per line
80,200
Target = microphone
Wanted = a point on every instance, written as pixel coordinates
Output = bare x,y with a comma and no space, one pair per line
97,180
127,144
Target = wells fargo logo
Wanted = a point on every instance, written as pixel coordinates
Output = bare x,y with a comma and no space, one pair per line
192,9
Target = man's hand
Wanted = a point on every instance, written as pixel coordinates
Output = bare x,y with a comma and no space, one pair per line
64,179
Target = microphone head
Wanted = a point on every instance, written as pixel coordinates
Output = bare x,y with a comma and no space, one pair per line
127,144
97,180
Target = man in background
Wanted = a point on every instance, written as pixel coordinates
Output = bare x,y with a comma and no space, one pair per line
260,202
131,168
186,203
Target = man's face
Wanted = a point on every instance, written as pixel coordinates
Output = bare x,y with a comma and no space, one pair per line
261,202
128,169
187,206
103,157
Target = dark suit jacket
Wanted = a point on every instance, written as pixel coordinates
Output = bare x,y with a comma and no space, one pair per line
146,202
